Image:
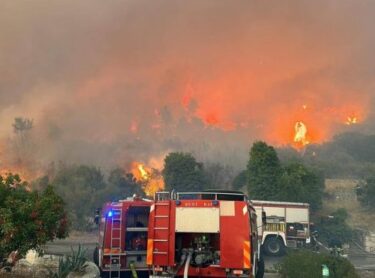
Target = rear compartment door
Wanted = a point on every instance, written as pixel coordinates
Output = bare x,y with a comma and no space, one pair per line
234,235
297,215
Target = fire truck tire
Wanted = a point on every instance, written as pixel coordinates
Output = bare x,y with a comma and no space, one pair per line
274,246
260,267
95,256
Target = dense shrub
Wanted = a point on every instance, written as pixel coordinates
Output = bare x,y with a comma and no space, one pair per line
334,230
307,264
28,219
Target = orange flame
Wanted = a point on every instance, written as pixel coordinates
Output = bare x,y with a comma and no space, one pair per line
23,173
351,120
300,135
5,172
309,122
143,173
150,178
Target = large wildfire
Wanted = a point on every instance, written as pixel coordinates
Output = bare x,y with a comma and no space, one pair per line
208,77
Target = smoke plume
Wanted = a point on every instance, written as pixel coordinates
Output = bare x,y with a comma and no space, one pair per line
108,83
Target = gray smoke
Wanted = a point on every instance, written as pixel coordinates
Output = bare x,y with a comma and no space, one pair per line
111,82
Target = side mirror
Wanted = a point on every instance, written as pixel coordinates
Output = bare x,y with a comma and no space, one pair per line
264,218
97,216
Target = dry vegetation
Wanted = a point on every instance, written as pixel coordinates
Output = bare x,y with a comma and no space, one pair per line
340,193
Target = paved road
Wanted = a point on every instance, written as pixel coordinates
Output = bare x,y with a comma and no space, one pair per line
64,247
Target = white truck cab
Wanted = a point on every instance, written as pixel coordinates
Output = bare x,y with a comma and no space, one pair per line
287,225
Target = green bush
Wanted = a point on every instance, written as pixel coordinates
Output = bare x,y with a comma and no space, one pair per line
28,219
307,264
335,229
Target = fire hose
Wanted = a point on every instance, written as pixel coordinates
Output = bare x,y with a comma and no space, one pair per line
134,272
187,265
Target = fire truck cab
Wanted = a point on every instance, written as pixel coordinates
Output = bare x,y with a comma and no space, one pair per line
203,234
123,228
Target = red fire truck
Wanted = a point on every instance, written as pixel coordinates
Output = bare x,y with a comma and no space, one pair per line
123,228
203,234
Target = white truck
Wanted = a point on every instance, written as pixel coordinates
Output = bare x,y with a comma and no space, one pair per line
287,225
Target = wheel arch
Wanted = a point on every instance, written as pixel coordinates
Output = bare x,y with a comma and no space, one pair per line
279,235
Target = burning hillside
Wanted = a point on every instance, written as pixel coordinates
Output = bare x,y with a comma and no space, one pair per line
146,77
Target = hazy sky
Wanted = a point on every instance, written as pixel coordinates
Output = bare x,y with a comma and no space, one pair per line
108,82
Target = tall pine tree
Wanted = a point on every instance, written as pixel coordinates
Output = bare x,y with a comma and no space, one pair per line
263,172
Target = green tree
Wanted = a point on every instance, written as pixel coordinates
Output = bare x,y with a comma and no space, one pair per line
267,179
299,184
240,180
28,219
263,172
183,173
23,144
120,185
85,189
79,185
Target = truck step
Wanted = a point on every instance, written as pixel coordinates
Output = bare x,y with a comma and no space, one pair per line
160,253
137,229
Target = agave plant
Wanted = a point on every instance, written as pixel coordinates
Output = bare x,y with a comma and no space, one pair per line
63,270
78,260
73,263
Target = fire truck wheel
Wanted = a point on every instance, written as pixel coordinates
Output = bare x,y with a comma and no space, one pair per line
274,246
95,256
